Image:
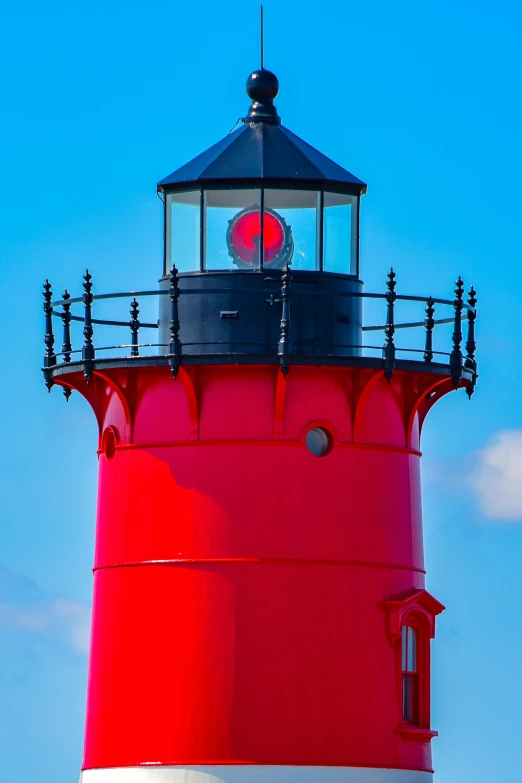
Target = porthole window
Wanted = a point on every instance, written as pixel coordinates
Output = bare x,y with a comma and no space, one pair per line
109,443
319,441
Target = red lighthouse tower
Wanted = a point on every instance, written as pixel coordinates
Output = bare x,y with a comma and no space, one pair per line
260,611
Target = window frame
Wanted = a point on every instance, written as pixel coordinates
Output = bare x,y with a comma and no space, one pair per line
418,609
415,675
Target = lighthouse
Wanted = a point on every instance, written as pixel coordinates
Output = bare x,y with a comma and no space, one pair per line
260,610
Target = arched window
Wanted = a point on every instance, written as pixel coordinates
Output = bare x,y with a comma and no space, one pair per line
410,676
411,617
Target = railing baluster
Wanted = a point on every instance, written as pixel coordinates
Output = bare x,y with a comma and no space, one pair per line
88,347
456,354
285,345
388,351
49,356
66,345
134,327
66,320
175,344
430,323
471,346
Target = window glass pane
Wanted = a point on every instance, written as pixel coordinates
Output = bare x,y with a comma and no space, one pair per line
404,648
183,231
412,651
340,233
297,212
232,229
407,697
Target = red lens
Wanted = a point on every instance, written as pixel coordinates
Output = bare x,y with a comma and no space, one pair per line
246,237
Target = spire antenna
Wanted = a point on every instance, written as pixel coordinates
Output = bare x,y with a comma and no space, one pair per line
262,38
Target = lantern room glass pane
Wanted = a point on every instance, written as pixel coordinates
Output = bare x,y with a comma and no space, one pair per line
341,233
299,210
183,231
232,229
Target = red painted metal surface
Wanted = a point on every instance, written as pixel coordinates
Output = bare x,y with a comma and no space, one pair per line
240,583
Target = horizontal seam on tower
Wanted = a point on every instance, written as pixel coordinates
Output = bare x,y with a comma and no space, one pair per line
258,561
253,442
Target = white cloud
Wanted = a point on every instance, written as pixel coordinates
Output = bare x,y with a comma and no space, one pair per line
75,618
25,608
497,477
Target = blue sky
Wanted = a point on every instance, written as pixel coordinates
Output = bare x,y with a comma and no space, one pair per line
420,100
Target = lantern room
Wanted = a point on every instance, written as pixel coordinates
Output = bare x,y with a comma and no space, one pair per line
255,202
220,229
260,198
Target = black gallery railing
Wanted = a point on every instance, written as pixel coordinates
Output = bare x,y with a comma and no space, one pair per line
455,360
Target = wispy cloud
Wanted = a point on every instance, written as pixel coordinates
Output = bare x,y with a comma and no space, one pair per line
490,477
24,607
497,477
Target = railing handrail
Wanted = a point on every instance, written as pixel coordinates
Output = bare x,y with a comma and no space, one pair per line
458,362
187,291
222,342
376,328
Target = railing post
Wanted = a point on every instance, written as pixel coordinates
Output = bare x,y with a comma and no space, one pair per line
470,362
66,345
66,320
285,345
88,347
429,323
456,354
49,356
388,351
134,327
175,344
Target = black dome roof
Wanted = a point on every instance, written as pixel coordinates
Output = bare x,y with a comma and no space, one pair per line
263,151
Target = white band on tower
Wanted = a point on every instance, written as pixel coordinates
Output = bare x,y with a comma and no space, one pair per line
252,773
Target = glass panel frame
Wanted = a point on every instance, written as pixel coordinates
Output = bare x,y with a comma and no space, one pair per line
340,233
300,211
223,207
182,209
274,196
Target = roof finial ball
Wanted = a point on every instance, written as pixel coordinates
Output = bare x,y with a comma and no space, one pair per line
262,87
